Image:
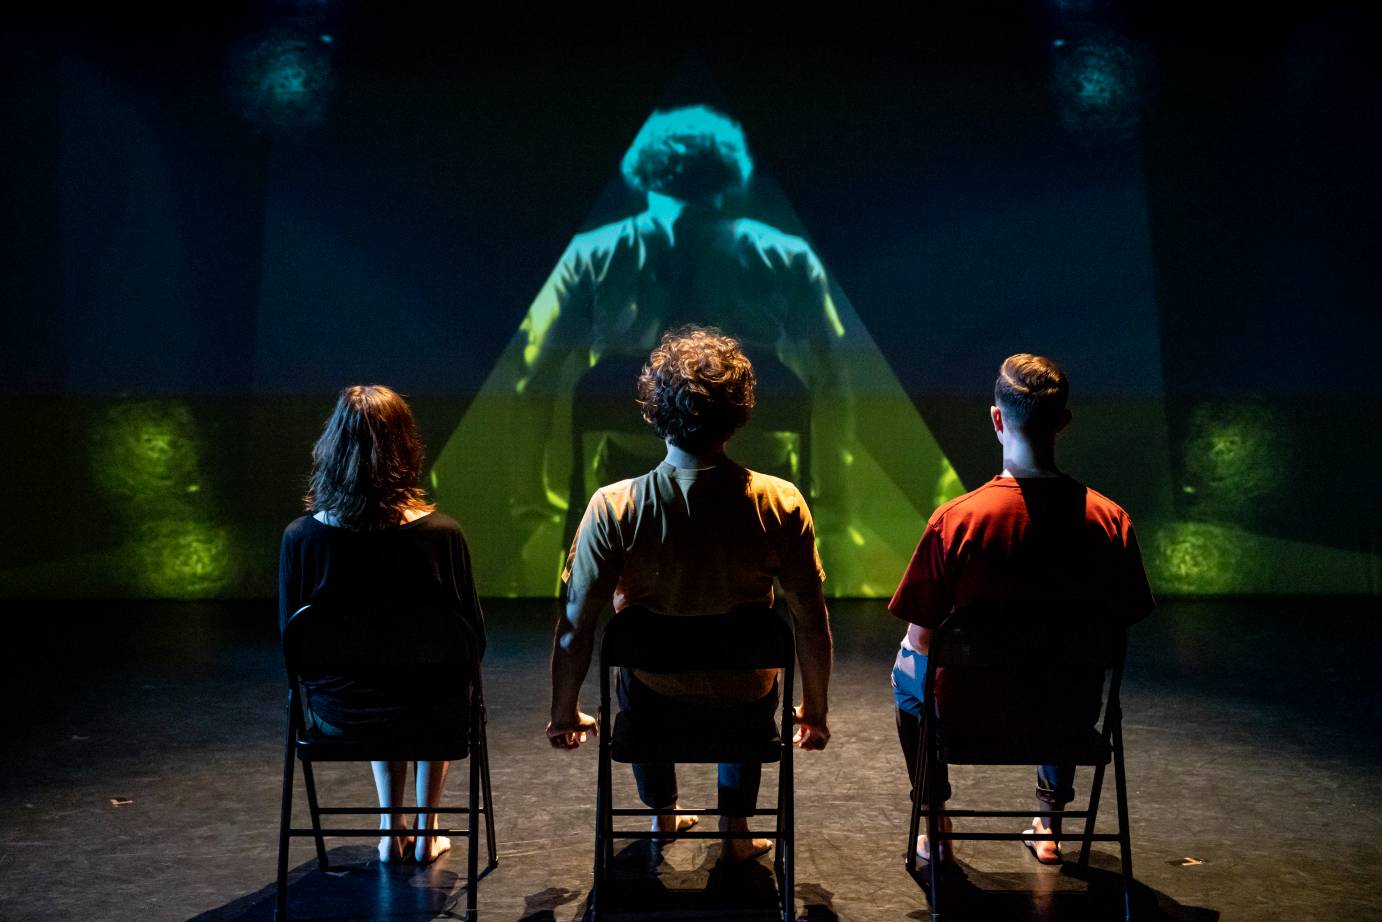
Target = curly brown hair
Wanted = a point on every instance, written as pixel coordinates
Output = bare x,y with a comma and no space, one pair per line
697,388
368,460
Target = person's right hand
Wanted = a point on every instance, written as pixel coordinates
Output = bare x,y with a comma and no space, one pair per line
811,731
569,733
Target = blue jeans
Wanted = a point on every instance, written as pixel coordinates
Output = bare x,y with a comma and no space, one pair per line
657,781
1055,784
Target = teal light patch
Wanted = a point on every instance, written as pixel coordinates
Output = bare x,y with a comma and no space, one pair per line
1099,85
282,80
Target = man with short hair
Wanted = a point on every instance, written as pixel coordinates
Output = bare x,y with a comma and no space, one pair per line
1030,534
697,535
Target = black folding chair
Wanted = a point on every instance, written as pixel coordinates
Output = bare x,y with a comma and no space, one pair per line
398,655
748,638
981,659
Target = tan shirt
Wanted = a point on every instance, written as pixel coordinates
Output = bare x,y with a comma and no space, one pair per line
696,542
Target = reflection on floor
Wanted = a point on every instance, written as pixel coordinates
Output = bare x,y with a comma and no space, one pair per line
143,746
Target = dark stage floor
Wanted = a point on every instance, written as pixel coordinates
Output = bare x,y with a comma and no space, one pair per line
1252,731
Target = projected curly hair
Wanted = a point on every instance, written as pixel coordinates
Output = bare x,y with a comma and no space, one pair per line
1031,390
367,463
697,388
691,153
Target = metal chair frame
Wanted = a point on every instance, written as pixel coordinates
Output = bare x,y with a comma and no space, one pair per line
1105,648
298,747
780,653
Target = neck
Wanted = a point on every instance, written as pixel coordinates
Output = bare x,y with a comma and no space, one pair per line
1025,459
680,457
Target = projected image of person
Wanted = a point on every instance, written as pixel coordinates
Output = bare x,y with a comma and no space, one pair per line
554,419
697,535
372,541
684,259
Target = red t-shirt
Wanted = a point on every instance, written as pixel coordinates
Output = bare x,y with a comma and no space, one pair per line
1033,539
1048,539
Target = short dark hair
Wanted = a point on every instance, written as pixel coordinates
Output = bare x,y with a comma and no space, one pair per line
690,153
698,387
1031,390
367,463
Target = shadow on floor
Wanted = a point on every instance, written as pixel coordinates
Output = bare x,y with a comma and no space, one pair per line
642,886
355,887
1064,893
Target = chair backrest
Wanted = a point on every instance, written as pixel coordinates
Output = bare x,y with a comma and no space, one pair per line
1024,668
421,652
753,637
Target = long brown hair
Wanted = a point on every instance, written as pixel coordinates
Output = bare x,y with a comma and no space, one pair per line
368,461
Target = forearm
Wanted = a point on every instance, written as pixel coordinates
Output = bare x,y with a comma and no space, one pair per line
571,653
815,654
814,649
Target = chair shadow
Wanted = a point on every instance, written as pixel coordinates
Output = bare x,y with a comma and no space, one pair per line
355,886
1070,893
641,886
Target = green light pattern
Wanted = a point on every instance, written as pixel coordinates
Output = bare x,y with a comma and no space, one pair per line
145,456
1236,455
187,559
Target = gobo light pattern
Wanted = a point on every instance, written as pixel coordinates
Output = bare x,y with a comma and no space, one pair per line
145,457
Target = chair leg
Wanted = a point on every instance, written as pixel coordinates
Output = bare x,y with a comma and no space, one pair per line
1124,833
918,786
472,860
311,783
1096,787
789,858
285,823
933,828
602,807
487,794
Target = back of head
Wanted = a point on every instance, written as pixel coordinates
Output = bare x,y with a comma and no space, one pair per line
697,389
1031,390
693,153
367,464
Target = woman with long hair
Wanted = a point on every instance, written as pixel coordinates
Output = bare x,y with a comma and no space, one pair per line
372,541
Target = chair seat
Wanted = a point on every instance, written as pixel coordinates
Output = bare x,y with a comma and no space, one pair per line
633,743
1086,747
314,747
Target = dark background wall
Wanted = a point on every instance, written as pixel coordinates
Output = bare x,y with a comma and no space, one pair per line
213,226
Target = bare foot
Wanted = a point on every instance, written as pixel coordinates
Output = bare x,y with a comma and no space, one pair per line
741,849
947,849
1044,851
671,822
430,848
393,849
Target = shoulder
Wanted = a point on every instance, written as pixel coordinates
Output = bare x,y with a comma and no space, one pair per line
594,246
776,492
299,529
1100,508
437,522
773,245
969,505
616,499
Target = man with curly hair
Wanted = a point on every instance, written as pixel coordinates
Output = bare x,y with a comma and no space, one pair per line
697,535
